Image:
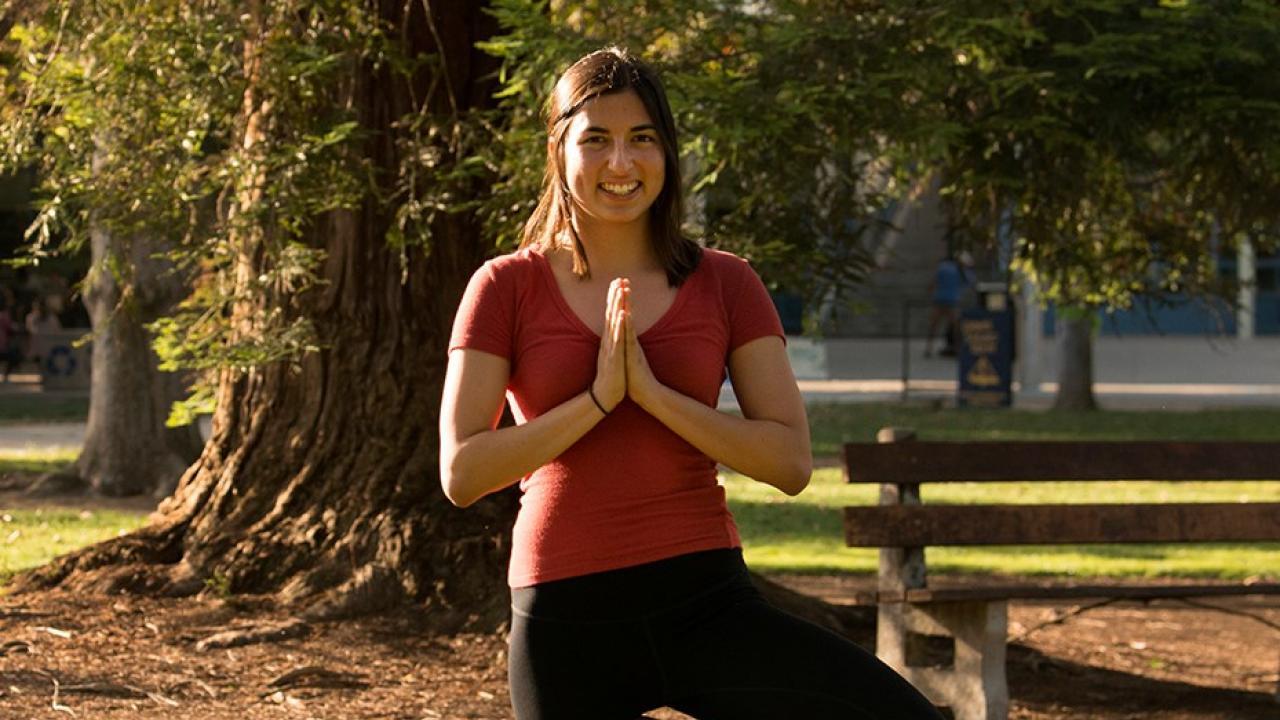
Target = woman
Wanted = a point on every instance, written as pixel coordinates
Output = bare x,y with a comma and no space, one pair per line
610,333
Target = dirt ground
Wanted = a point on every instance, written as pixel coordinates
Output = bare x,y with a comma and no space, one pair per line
64,655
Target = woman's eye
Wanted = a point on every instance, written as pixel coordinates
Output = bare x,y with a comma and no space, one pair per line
646,138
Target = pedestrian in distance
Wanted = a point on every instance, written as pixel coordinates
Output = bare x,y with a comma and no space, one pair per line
950,279
609,331
41,322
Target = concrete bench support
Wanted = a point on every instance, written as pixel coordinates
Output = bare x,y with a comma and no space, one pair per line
974,686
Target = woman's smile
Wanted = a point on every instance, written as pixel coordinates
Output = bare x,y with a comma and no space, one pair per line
613,160
621,189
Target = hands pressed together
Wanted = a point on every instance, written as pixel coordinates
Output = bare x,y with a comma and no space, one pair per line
621,368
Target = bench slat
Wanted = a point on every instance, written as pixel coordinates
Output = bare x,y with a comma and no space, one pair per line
1068,592
926,525
927,461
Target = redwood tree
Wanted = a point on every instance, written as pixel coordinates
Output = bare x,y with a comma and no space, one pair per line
322,311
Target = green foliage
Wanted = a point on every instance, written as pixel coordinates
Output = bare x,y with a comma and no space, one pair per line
794,129
227,136
1122,145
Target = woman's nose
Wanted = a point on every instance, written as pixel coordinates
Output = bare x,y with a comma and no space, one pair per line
619,157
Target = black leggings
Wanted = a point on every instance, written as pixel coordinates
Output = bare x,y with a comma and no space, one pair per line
694,634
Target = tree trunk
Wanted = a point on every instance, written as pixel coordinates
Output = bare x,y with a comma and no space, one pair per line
128,450
1075,362
320,481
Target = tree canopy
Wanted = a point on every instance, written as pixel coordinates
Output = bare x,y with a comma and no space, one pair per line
1122,144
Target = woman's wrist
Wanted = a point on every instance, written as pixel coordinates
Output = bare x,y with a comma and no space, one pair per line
591,391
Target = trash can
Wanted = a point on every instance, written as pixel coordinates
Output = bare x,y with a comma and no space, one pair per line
986,350
64,364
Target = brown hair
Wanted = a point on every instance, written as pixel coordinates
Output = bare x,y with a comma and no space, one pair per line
604,72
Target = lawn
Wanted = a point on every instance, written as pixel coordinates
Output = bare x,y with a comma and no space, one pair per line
32,537
40,407
804,534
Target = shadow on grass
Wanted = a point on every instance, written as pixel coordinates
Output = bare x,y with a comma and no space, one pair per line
38,407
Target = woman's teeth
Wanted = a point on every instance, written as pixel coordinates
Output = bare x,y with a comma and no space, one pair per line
620,188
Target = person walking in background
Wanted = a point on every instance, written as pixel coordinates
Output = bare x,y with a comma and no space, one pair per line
41,323
950,279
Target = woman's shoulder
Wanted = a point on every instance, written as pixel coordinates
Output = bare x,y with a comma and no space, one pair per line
513,268
725,265
518,261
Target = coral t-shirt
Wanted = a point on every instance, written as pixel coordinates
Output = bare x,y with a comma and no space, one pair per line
630,491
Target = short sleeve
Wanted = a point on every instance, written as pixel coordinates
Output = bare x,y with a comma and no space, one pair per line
752,314
486,315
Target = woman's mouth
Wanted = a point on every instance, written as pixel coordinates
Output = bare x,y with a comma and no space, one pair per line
620,189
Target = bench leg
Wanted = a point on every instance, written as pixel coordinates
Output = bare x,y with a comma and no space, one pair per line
974,687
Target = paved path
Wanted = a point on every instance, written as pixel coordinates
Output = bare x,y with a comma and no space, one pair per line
1173,373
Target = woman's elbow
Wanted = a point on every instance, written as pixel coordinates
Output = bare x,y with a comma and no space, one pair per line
799,475
453,482
796,478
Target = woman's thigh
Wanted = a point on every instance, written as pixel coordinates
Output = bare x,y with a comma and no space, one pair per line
562,670
751,660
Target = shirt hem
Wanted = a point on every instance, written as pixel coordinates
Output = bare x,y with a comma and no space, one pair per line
605,565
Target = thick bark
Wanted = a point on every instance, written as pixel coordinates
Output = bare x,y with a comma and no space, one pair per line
320,480
1075,364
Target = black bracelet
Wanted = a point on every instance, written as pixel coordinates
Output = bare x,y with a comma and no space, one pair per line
592,392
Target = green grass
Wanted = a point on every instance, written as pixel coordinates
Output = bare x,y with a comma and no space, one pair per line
32,537
833,424
35,460
18,408
29,538
804,534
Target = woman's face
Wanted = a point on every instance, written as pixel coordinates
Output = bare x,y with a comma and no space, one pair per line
613,159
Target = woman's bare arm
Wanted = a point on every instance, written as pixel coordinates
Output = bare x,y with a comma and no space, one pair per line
770,443
475,458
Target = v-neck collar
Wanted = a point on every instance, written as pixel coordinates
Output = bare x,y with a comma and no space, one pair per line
553,286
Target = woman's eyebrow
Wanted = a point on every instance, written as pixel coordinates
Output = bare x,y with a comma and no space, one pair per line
637,128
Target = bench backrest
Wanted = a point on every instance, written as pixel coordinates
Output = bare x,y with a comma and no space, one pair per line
900,521
918,461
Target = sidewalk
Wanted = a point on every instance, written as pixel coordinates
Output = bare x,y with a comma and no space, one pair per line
1132,373
1135,373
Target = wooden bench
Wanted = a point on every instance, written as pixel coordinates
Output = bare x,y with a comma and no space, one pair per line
974,616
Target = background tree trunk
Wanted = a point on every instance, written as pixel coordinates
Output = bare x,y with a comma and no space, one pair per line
128,450
1075,362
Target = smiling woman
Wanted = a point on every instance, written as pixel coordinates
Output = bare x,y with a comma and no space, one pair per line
610,334
613,162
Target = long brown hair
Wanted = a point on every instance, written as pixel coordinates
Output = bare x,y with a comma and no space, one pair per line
604,72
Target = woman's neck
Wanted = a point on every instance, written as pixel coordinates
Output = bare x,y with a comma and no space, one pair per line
616,250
